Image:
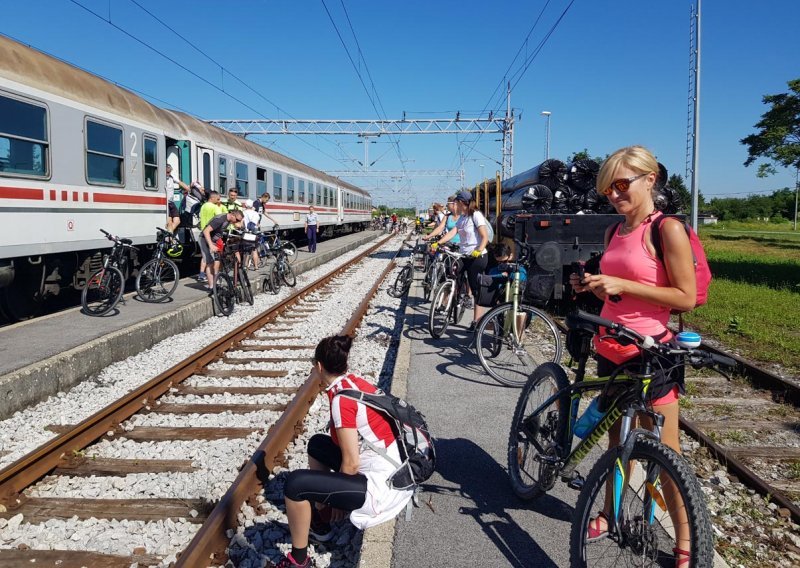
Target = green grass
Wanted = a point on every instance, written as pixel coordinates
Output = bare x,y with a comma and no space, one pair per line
754,299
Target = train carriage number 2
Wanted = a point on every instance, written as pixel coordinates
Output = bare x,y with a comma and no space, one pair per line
134,182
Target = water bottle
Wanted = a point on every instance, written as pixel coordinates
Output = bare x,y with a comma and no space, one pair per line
588,420
688,339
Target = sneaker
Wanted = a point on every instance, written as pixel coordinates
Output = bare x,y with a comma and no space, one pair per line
202,277
288,562
320,530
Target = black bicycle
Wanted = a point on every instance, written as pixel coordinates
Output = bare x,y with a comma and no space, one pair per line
280,272
402,283
159,276
231,284
104,288
450,300
646,493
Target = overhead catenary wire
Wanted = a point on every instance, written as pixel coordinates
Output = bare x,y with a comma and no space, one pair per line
196,75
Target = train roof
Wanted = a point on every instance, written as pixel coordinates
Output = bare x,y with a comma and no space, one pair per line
31,67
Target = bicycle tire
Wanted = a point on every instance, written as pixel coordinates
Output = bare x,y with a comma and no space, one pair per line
460,305
508,359
439,316
547,429
266,283
287,275
102,292
275,275
401,284
224,293
644,537
157,280
291,251
244,284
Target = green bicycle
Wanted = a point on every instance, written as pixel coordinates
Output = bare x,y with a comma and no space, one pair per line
647,493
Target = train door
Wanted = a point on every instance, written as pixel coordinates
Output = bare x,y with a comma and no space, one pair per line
205,167
339,206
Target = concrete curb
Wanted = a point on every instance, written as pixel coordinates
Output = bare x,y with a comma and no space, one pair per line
35,382
378,542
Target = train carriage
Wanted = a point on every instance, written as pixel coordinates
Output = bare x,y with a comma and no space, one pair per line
78,153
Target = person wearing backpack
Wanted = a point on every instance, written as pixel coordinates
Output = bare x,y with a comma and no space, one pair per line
639,290
345,478
474,235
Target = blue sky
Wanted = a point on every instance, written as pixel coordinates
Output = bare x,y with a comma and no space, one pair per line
613,73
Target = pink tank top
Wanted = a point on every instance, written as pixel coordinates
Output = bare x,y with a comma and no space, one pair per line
627,257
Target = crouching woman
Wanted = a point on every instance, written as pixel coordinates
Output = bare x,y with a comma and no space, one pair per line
344,478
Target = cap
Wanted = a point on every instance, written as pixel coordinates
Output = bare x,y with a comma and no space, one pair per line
464,196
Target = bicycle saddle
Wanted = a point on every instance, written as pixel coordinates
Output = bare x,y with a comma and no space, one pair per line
126,241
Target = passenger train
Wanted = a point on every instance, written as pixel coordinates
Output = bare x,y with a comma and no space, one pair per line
78,153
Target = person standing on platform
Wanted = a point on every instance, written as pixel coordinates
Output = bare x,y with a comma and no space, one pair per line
311,229
208,211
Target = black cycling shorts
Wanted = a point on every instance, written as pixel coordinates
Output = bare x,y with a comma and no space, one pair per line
339,490
172,210
473,267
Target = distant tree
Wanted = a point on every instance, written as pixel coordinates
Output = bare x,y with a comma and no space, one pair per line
584,155
778,137
676,182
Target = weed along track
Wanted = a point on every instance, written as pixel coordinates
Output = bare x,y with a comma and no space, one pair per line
147,480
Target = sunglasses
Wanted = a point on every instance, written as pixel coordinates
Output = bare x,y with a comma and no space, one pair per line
621,185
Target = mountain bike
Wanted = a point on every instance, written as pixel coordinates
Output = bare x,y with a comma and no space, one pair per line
638,484
231,283
514,338
450,300
280,273
104,288
406,276
438,265
159,276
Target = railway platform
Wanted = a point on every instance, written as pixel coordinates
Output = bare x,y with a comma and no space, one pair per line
469,515
43,356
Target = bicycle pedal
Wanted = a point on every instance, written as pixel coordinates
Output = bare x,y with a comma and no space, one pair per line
576,482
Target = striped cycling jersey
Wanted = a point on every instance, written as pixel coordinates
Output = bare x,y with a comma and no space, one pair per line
347,413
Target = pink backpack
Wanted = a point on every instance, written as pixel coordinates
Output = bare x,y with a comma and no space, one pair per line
701,268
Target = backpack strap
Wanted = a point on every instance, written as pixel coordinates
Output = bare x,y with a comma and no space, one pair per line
655,236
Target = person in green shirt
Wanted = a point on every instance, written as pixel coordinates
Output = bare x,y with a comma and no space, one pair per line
208,211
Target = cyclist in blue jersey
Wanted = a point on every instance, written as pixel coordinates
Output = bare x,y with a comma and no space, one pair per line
446,223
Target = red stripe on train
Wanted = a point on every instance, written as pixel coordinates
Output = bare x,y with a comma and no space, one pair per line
134,199
21,193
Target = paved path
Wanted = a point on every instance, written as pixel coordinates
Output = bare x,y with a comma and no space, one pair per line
474,518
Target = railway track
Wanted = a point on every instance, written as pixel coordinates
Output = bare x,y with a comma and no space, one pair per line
748,424
221,401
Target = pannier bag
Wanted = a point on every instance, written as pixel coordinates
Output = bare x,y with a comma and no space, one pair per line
489,290
417,454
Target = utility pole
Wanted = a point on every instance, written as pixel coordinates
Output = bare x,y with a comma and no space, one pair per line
696,129
796,190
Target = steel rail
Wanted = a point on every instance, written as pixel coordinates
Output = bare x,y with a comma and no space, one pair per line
738,468
211,541
36,464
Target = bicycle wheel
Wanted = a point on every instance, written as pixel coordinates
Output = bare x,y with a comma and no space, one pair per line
534,436
275,276
287,274
224,293
157,280
291,251
266,283
510,358
436,278
102,291
460,305
440,309
244,284
658,482
401,284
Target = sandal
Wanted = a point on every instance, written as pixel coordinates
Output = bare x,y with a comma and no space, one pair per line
595,532
680,552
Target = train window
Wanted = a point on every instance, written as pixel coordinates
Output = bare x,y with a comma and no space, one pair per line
277,186
206,170
334,200
24,144
319,194
301,191
104,159
242,179
223,175
311,193
261,181
150,162
290,189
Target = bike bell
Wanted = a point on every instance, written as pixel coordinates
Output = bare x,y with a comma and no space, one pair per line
688,339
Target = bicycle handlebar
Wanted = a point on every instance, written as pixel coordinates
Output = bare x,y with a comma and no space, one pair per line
697,358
